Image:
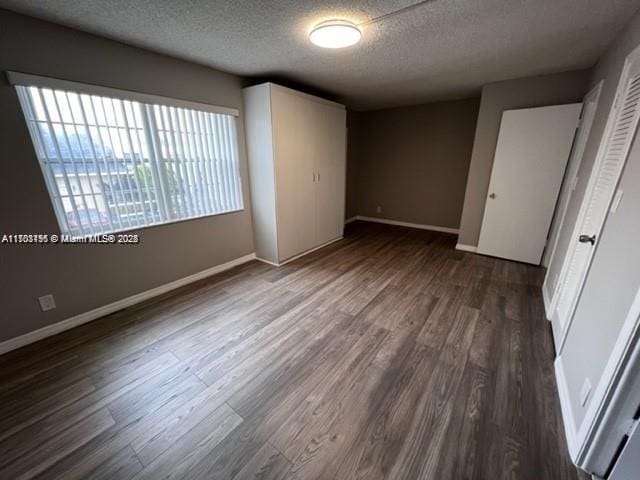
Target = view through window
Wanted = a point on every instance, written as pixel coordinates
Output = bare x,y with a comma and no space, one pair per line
112,165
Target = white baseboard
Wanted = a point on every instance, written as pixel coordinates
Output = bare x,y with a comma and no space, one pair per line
547,302
466,248
350,219
96,313
567,411
274,264
420,226
301,254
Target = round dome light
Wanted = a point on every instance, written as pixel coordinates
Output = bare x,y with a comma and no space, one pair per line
335,34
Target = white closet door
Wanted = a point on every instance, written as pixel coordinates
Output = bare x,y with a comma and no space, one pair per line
531,155
589,107
614,149
330,162
294,140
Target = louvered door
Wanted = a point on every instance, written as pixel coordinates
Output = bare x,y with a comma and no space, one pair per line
611,158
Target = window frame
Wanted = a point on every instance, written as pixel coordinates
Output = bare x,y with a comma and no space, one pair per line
28,80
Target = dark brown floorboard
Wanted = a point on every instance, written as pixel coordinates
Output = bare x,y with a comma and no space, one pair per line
387,355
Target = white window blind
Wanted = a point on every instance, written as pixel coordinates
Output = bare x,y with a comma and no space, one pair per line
112,164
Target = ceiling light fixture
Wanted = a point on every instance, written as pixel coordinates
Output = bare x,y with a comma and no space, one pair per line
335,34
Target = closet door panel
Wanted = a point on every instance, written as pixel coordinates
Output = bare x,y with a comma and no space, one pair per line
304,129
285,178
330,161
293,136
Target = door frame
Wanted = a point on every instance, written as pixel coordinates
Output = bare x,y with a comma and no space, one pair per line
589,191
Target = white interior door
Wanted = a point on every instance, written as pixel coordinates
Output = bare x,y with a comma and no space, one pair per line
612,155
531,155
331,172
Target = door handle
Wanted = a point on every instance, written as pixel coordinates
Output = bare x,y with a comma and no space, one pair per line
314,177
493,195
587,239
318,176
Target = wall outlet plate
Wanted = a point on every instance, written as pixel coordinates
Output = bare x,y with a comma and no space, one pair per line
585,391
47,302
378,209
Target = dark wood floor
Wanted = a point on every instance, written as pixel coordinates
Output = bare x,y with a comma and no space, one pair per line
386,355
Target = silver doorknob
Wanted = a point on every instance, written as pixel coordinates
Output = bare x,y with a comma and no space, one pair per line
493,195
587,239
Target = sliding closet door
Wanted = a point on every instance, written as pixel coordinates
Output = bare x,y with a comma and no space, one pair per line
294,140
330,162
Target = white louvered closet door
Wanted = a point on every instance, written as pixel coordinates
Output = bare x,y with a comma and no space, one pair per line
612,155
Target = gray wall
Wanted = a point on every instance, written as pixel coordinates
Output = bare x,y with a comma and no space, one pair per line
539,91
86,276
412,161
614,276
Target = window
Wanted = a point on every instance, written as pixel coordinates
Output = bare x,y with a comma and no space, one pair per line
113,163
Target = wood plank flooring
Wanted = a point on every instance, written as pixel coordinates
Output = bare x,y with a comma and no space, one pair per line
387,355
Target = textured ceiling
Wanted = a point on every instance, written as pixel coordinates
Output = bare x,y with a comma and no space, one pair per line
438,50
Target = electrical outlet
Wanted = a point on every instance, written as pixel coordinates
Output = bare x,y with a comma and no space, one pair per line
585,391
47,302
378,209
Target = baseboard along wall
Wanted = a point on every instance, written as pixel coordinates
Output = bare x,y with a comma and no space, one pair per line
435,228
567,411
466,248
76,320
